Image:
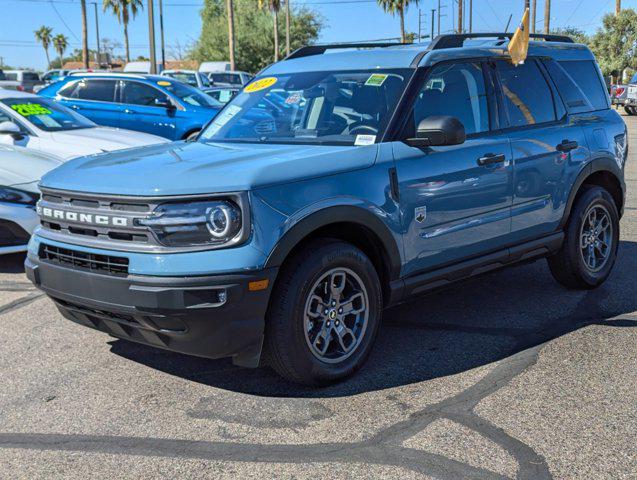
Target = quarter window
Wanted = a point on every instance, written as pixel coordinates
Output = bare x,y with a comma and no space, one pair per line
528,99
586,75
457,90
136,93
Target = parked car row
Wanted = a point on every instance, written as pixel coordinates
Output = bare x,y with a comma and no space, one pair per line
626,96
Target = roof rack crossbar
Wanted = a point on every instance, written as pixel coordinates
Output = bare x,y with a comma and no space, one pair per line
320,49
457,40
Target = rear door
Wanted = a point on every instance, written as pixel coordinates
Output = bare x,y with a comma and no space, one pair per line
94,98
454,205
140,111
546,147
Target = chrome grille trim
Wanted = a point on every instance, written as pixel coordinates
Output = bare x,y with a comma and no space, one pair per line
131,238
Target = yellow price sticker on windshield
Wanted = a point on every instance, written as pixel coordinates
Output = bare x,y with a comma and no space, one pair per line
163,83
260,84
26,109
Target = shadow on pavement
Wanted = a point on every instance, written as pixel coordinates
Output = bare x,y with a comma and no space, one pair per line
465,326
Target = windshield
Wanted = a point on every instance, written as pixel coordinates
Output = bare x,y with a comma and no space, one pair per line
189,78
231,78
190,95
337,108
47,115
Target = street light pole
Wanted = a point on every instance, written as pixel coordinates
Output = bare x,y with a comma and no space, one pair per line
433,15
151,37
97,37
161,34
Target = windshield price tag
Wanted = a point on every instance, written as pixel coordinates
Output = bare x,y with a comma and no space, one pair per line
376,79
220,120
260,84
362,140
27,109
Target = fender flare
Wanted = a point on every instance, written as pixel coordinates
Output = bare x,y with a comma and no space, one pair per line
338,214
601,164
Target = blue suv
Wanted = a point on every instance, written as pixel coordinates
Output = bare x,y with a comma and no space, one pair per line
340,181
146,103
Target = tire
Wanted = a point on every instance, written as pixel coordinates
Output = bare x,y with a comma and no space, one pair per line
294,340
192,135
629,110
572,265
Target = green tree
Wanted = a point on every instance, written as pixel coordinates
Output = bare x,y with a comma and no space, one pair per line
400,7
124,10
254,33
575,33
60,43
615,44
44,35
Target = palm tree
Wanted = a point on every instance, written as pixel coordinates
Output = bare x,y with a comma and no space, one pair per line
84,35
230,13
124,10
393,6
60,43
274,6
44,36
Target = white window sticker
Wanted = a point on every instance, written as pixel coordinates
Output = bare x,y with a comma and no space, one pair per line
220,120
364,140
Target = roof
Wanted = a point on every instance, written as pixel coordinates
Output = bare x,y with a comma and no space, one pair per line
141,76
444,47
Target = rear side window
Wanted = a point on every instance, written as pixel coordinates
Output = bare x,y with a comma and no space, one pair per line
528,99
96,90
11,76
585,74
136,93
575,100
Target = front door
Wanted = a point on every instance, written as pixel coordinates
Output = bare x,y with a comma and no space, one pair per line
140,112
455,200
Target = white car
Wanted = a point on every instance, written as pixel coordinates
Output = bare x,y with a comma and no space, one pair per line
27,120
20,172
190,77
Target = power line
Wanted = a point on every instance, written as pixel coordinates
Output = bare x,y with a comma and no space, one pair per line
63,22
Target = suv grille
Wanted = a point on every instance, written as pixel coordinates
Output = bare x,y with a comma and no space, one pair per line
102,264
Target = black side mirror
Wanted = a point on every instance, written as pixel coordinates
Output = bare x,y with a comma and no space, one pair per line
164,103
437,131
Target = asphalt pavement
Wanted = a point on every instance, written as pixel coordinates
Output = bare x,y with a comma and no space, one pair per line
505,376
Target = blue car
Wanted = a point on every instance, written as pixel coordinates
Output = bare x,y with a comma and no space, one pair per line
333,186
146,103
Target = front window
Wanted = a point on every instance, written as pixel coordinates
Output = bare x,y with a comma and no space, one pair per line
326,108
189,78
47,115
190,95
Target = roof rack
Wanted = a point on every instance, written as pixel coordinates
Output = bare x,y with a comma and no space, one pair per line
457,40
320,49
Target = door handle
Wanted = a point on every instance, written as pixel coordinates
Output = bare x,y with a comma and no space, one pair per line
75,107
567,146
128,110
491,158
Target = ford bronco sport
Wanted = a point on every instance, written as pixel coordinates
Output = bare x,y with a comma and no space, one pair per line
342,180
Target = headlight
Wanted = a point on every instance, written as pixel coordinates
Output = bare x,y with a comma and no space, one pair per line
195,223
13,195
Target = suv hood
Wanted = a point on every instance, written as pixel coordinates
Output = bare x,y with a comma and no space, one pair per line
185,168
20,165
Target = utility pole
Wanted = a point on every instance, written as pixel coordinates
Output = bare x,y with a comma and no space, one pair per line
618,6
438,17
84,35
470,16
460,19
151,36
161,34
287,27
533,15
230,10
97,37
433,16
547,16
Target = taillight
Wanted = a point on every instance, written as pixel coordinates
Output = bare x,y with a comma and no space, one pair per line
20,88
619,91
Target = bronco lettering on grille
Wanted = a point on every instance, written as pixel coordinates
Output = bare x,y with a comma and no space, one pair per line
88,218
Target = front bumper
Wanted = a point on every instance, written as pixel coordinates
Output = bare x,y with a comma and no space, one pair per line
182,314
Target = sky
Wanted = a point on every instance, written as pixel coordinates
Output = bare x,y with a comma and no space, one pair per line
345,21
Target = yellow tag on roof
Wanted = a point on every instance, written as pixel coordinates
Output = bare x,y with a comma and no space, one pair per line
163,83
519,44
260,84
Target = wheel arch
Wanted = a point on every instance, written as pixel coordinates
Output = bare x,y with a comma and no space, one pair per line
603,172
352,224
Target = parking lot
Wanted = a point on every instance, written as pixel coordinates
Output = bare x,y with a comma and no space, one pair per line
505,376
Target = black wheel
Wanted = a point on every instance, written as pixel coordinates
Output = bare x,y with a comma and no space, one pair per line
324,313
629,110
591,239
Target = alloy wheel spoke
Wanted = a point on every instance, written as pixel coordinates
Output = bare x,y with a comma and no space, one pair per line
344,333
349,306
337,284
322,340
